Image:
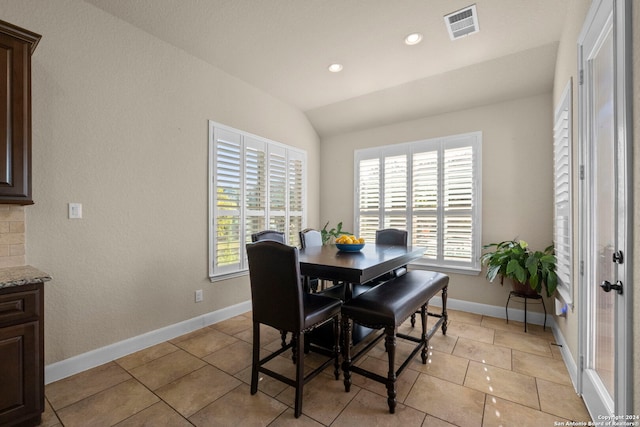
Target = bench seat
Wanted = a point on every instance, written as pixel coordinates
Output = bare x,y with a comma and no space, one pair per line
386,306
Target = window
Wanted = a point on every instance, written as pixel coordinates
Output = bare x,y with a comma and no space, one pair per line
430,188
562,194
254,184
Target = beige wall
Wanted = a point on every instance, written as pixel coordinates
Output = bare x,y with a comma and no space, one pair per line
120,125
516,175
567,69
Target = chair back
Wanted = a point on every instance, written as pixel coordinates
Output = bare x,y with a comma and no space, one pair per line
276,290
392,236
278,236
309,238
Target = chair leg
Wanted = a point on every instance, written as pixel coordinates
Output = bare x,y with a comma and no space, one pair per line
336,347
544,325
283,337
346,352
299,373
413,320
256,357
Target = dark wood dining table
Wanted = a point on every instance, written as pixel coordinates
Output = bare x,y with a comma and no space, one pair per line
351,269
328,263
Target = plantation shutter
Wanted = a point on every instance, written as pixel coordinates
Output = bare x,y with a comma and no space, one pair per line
369,205
277,188
227,199
430,188
425,202
395,192
562,193
254,185
296,194
458,202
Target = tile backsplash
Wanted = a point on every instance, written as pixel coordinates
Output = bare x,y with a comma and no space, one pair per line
12,236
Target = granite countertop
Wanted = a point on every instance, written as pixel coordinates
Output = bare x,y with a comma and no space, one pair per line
23,275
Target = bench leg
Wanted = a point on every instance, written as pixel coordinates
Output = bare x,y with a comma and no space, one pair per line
390,346
444,310
423,336
346,352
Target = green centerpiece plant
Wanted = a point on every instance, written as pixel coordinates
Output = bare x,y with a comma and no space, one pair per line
333,233
515,260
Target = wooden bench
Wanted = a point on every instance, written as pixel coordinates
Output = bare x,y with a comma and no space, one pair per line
387,306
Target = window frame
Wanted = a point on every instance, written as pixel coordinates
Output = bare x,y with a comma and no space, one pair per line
471,139
269,148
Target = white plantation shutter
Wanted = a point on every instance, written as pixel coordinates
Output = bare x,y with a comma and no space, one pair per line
562,194
431,189
277,188
228,197
458,202
395,192
296,196
368,171
254,184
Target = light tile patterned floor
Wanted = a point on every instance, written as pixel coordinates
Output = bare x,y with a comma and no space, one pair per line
484,372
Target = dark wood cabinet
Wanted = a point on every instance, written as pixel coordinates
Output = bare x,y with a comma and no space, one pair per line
16,47
21,355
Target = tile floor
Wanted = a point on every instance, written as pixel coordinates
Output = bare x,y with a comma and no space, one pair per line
484,372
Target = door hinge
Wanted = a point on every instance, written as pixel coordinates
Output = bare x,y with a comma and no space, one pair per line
582,268
581,363
581,77
581,173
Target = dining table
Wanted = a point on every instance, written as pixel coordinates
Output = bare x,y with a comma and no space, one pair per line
355,268
350,270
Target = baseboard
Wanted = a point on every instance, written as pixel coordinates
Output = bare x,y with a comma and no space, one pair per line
76,364
533,317
569,361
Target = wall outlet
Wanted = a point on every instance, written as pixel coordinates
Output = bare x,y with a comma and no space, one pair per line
199,296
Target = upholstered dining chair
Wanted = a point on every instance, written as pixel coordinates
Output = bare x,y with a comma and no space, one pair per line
278,300
278,236
393,236
310,238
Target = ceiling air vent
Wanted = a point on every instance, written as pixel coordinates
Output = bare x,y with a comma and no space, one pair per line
462,23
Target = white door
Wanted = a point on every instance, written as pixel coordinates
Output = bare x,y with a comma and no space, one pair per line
605,280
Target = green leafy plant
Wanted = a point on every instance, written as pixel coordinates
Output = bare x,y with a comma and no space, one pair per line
327,235
513,259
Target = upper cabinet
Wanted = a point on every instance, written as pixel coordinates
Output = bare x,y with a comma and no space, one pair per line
16,47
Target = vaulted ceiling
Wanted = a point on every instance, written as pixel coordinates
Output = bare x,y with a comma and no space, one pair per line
284,47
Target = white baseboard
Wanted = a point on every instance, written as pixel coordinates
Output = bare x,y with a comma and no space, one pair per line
533,317
569,361
76,364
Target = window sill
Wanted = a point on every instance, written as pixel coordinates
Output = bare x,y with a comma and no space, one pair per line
222,277
470,271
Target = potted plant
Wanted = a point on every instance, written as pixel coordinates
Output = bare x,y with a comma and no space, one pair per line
327,235
529,270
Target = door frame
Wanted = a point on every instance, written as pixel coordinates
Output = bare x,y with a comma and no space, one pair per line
623,137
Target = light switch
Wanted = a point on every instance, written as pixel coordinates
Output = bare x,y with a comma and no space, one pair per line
75,210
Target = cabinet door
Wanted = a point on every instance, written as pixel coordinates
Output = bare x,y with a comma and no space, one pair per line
19,373
15,115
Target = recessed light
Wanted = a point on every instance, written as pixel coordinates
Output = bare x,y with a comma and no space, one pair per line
335,68
413,38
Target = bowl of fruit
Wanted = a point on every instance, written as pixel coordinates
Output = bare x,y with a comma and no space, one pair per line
349,243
